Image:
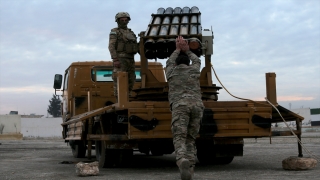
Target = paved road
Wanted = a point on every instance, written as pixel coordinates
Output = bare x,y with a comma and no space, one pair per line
40,159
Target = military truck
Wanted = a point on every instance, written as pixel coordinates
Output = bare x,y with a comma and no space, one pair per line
94,119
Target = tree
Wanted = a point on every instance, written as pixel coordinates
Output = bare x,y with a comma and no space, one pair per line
54,107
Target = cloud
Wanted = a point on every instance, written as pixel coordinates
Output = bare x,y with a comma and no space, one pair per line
42,38
27,89
294,98
79,47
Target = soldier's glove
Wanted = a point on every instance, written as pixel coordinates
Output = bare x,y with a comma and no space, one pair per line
116,63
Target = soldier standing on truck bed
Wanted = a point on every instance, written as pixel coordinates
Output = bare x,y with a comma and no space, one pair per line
186,105
123,46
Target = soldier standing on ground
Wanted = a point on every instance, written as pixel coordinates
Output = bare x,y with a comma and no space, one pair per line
186,105
123,46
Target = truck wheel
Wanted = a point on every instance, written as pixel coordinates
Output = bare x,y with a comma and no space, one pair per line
78,149
223,160
103,159
156,152
207,156
114,157
209,160
100,151
205,152
111,157
157,148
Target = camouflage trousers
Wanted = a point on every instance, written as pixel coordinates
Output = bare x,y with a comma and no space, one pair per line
127,65
185,125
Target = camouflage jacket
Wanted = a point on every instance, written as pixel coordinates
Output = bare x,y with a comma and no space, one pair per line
183,80
122,43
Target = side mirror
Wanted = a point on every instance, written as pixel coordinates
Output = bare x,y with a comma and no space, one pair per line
57,81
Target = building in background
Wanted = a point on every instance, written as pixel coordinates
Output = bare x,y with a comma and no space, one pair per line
13,112
304,112
32,116
315,116
311,117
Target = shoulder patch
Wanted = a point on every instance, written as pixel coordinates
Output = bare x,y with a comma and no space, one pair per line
113,32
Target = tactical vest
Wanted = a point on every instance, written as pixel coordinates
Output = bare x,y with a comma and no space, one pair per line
126,42
184,84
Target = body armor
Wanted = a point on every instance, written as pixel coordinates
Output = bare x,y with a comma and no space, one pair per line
123,43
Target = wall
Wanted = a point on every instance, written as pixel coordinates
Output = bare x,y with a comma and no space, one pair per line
10,127
41,127
304,112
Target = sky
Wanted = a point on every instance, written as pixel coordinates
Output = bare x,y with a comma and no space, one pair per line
41,38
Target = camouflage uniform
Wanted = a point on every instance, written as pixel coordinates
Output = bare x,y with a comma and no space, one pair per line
123,46
186,104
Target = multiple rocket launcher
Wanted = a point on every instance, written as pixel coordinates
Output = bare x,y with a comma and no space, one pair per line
169,23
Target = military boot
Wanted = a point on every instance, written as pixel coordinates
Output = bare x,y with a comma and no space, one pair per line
184,167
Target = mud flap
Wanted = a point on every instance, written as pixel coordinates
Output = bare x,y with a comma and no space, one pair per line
141,124
208,126
261,121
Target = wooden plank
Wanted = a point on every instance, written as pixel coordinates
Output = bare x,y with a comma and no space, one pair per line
137,136
75,125
78,124
233,126
163,133
232,131
163,116
162,128
87,115
157,128
232,121
240,109
138,132
69,133
231,104
154,110
73,138
264,114
231,116
77,132
247,135
107,137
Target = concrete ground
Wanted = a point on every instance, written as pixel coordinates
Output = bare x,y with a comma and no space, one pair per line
41,159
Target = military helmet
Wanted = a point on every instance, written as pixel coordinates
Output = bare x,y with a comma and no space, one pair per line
122,15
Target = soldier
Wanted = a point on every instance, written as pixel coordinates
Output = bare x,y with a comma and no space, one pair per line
186,105
123,46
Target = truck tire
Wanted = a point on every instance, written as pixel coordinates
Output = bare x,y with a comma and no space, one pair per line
159,148
156,152
111,157
223,160
78,149
207,156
